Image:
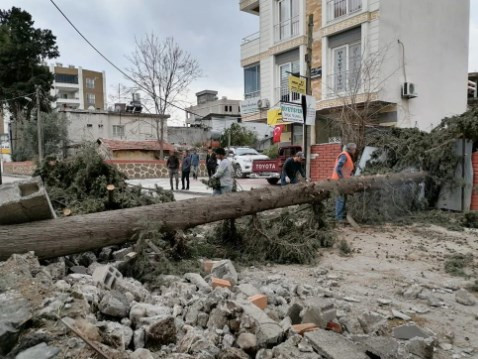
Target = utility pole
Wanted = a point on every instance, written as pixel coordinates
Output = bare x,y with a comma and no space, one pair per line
308,60
39,130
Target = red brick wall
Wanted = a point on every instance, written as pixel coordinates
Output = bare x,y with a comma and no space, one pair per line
474,196
322,160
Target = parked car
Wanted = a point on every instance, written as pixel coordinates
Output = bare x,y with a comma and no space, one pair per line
242,158
271,169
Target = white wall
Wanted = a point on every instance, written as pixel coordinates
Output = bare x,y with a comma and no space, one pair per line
435,34
137,128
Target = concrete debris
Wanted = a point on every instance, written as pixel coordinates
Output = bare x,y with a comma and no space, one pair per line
409,331
24,201
262,318
39,351
334,346
465,298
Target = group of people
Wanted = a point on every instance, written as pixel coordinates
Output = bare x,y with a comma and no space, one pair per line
224,171
190,163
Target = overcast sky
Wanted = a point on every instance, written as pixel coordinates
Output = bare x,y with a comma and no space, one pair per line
211,30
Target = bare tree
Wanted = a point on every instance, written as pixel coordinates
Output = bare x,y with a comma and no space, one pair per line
164,71
359,91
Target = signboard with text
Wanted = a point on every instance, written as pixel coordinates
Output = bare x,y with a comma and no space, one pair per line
297,84
249,106
292,112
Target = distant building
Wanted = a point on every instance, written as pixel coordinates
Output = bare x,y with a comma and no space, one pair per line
209,105
77,88
88,126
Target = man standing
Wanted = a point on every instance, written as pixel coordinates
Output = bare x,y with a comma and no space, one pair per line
224,173
292,166
210,164
344,167
173,167
185,169
195,164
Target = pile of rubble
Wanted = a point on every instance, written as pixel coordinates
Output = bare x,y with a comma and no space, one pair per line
221,315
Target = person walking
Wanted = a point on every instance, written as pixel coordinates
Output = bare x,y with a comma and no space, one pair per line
195,164
173,167
211,164
291,168
224,173
343,168
185,170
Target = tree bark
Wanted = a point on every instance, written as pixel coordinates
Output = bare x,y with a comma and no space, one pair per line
70,235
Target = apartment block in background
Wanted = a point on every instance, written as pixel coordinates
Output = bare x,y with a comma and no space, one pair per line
76,88
209,105
410,55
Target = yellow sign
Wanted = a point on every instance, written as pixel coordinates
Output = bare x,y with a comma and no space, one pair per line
297,84
5,151
274,117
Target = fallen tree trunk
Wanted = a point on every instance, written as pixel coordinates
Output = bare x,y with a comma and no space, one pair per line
70,235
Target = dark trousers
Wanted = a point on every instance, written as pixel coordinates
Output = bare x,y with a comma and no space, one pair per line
185,176
210,171
340,207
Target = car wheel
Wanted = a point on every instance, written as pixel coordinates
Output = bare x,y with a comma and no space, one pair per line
273,181
238,172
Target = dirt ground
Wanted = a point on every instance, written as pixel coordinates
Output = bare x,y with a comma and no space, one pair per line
388,260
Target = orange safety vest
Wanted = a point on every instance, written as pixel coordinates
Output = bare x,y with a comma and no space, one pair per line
347,169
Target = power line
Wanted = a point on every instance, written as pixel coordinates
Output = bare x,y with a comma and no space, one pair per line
116,67
16,98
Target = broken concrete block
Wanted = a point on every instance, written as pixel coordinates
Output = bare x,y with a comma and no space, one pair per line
372,322
106,276
319,311
247,341
293,348
24,201
199,281
39,351
225,270
259,300
114,304
465,298
248,289
207,265
409,331
421,347
222,283
334,346
303,328
382,347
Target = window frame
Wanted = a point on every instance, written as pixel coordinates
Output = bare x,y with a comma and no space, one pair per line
90,83
118,130
90,96
346,72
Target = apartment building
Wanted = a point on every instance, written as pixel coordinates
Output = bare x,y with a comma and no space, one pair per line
76,88
409,57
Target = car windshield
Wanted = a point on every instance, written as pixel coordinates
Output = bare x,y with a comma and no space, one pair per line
246,152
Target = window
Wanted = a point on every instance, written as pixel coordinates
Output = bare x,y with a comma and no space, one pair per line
225,108
118,130
90,83
338,8
347,62
68,79
230,108
90,98
89,125
100,125
252,81
286,70
288,19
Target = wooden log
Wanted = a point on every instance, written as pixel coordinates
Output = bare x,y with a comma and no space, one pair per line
76,234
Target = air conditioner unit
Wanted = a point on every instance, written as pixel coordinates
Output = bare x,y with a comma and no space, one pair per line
408,90
263,103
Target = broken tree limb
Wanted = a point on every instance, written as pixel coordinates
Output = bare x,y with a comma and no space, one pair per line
76,234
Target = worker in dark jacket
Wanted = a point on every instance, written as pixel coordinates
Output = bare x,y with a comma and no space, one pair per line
292,167
185,170
173,167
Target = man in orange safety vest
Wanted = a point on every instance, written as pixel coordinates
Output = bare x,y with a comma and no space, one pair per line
344,167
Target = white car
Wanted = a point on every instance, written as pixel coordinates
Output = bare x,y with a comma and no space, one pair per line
242,158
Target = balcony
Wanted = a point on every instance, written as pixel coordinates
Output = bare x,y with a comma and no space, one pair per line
250,45
250,6
337,9
287,29
342,84
283,94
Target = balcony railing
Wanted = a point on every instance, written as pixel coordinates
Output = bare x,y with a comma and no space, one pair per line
345,83
250,38
287,29
283,94
339,8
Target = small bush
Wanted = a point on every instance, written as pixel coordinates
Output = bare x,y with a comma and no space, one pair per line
457,263
344,247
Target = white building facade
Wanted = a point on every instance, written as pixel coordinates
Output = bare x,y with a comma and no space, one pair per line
416,46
